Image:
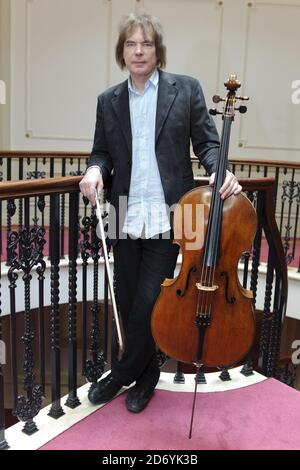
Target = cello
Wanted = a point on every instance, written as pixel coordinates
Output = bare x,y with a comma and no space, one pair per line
204,316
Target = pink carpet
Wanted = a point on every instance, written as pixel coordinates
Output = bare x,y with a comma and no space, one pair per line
262,416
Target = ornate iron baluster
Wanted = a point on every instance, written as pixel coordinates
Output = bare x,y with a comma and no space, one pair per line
291,190
41,266
274,345
56,410
265,327
297,199
93,368
12,246
73,400
84,246
271,327
31,242
276,322
258,200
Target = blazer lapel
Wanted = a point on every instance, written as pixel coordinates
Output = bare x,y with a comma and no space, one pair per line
167,92
120,103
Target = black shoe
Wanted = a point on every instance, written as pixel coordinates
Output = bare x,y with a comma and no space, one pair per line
104,390
139,396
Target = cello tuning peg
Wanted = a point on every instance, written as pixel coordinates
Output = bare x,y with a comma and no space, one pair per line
244,98
217,99
241,109
214,112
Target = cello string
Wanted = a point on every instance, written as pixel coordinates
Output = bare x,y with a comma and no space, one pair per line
204,294
218,212
211,233
208,273
202,280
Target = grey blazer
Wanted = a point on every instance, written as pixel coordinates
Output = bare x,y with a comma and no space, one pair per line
181,118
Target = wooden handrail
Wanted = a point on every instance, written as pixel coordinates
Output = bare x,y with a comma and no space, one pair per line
258,162
39,187
67,184
42,154
85,155
248,184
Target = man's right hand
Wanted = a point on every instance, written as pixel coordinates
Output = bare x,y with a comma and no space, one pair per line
92,180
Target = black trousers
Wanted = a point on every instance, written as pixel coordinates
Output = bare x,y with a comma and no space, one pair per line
140,265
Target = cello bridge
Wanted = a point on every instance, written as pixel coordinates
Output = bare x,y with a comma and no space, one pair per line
206,288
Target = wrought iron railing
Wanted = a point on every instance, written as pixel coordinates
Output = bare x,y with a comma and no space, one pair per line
41,337
20,165
27,266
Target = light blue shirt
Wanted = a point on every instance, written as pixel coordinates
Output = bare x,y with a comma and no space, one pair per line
146,214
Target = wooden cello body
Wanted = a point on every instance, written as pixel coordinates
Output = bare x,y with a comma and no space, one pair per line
204,315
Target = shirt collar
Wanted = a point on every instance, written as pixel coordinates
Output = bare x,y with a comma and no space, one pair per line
153,80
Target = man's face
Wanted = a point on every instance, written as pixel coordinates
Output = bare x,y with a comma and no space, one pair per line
139,53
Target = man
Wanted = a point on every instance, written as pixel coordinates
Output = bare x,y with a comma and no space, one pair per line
143,132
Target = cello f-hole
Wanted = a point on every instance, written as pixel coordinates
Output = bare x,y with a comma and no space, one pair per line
181,293
232,299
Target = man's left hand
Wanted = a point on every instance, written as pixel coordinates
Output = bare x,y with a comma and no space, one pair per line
230,186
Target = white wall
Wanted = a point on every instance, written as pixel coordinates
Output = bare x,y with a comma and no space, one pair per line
5,72
62,57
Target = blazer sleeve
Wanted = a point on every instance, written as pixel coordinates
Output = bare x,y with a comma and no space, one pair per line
204,135
100,155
